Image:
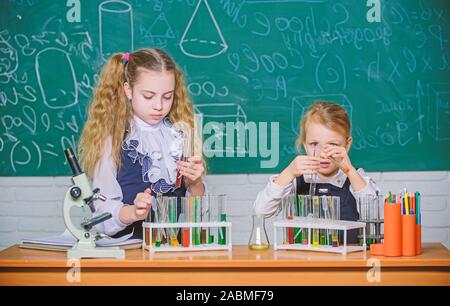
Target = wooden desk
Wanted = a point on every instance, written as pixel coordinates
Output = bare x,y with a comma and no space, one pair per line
239,267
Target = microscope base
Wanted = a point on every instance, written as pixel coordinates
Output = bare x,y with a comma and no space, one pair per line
82,251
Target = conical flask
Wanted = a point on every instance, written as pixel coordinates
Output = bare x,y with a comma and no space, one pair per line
258,238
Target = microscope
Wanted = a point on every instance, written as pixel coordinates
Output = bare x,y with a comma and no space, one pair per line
80,194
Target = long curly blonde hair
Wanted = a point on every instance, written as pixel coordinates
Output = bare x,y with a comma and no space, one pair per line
110,111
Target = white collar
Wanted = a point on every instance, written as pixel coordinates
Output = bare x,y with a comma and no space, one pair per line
337,180
159,144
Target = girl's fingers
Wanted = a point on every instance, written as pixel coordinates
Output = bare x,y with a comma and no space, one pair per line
311,164
332,153
310,168
191,177
191,174
195,159
196,168
309,172
141,205
337,149
145,197
141,213
187,169
311,158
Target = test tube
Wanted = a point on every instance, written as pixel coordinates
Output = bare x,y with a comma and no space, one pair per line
324,214
298,232
222,218
316,215
209,213
165,218
285,211
147,230
173,219
335,215
314,178
306,212
184,217
196,212
158,220
288,206
203,218
188,150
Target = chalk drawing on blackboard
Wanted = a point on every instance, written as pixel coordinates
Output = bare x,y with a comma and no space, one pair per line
331,72
439,112
301,103
115,24
9,60
202,37
160,28
220,114
56,97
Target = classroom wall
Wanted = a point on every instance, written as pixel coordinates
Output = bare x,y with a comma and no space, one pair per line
32,206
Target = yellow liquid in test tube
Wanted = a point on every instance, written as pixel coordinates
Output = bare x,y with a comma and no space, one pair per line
316,214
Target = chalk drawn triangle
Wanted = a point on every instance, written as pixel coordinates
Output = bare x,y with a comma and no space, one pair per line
202,37
161,28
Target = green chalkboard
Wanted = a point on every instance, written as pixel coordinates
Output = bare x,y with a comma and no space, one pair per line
246,61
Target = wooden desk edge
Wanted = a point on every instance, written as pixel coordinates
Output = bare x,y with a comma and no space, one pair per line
275,261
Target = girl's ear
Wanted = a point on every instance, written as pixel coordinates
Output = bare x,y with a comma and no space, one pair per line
127,89
349,143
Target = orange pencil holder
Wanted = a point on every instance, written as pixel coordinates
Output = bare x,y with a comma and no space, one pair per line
409,235
392,230
418,239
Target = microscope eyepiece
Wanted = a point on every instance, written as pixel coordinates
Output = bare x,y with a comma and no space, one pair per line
72,161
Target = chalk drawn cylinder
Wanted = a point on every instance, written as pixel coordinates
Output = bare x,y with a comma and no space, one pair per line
56,78
115,27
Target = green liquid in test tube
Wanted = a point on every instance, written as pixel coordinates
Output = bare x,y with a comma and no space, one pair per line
222,218
196,234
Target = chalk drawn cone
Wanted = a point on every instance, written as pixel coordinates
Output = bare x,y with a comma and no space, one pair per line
203,37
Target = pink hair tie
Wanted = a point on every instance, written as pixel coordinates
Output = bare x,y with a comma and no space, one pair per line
126,57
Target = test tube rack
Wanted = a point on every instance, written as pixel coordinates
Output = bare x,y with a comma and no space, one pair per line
221,227
311,224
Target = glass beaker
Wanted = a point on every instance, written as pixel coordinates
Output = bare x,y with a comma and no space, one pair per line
313,178
258,238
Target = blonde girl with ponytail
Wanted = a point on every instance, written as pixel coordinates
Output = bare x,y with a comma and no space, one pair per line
325,137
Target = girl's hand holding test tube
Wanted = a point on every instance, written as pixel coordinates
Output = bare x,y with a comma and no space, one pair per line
301,165
339,155
192,170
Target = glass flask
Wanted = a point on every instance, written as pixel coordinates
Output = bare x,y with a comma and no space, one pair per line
258,238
